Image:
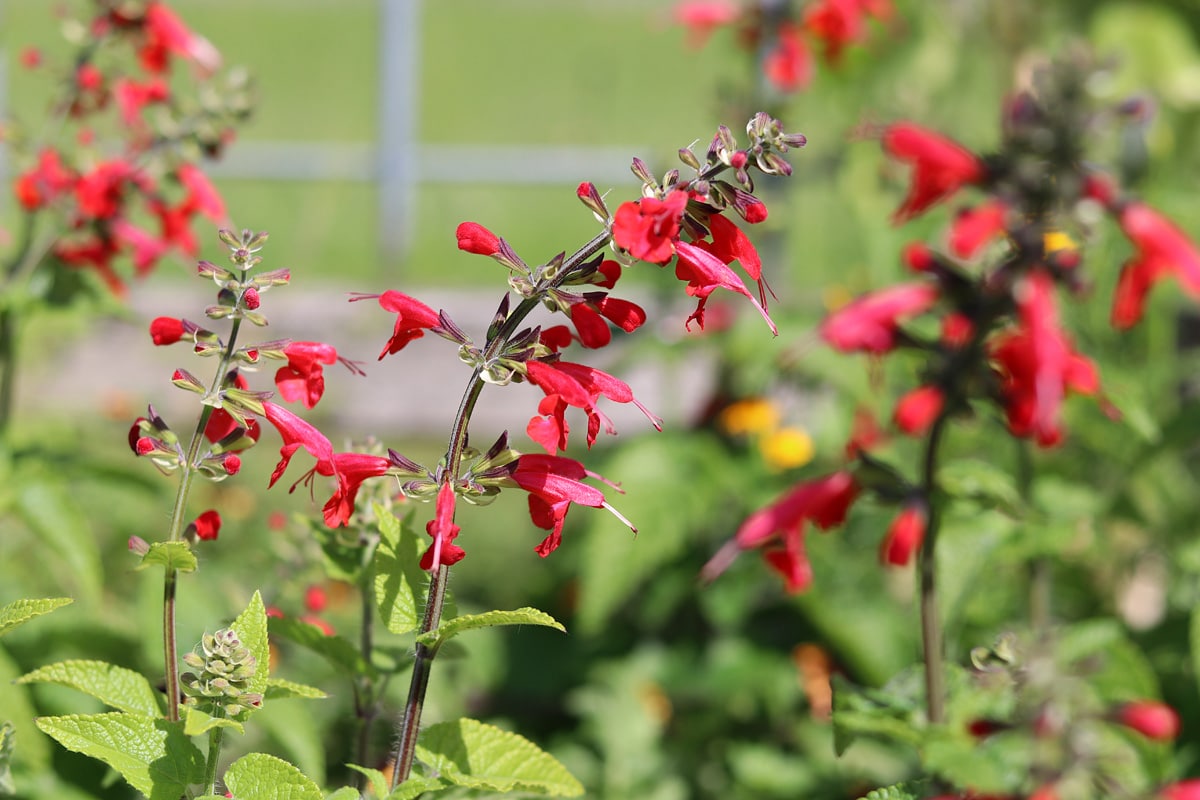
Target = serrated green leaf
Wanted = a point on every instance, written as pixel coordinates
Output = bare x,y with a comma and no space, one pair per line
480,756
415,787
377,780
197,722
251,628
8,735
399,580
21,611
909,790
171,555
154,756
279,689
345,793
335,649
118,687
858,711
981,481
48,507
259,776
490,619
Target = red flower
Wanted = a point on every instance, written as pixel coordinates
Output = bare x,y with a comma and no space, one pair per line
975,227
1182,790
202,196
789,64
917,410
701,17
133,96
350,469
941,166
779,528
1039,365
554,483
589,312
315,599
649,228
303,378
206,526
1163,250
730,243
579,386
474,238
412,320
443,552
167,330
167,35
1154,720
706,273
836,23
904,536
100,193
296,434
870,323
45,182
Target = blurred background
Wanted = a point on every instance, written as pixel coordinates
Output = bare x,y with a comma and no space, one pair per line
379,127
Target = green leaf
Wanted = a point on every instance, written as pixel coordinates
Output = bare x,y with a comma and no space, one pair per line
251,628
1194,637
279,689
981,481
882,713
378,781
473,754
118,687
259,776
415,787
909,790
7,735
33,755
345,793
153,755
171,555
21,611
399,580
334,649
490,619
51,511
197,722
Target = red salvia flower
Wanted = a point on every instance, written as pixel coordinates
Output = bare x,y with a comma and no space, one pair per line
1152,719
1181,790
132,96
588,315
412,320
207,525
837,23
474,238
296,434
303,378
904,536
1163,250
730,243
443,551
167,330
147,249
350,469
941,166
871,322
649,228
917,410
45,182
554,483
167,35
705,273
202,196
581,386
789,64
975,227
702,17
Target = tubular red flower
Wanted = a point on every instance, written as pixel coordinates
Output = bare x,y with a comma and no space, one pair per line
706,273
207,525
730,243
941,166
474,238
1150,718
1163,250
166,34
649,228
303,378
789,64
702,17
296,434
350,469
412,320
870,323
917,410
166,330
45,182
579,386
443,552
1181,790
554,483
202,196
975,227
904,536
837,23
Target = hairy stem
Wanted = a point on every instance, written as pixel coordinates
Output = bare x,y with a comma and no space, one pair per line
175,531
216,737
931,624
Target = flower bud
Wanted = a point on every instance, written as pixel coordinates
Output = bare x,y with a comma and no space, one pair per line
917,410
474,238
250,298
904,536
1154,720
166,330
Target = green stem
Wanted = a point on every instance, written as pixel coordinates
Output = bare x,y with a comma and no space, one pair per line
175,531
366,706
215,738
931,625
1041,576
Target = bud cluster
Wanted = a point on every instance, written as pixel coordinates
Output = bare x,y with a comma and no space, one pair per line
223,668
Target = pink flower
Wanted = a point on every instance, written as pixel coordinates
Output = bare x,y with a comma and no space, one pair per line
554,483
649,228
789,64
412,320
917,410
904,536
1154,720
1163,250
474,238
705,273
941,166
779,528
1039,365
443,552
303,378
871,322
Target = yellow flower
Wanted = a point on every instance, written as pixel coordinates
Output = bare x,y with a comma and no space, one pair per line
1053,241
787,448
756,415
